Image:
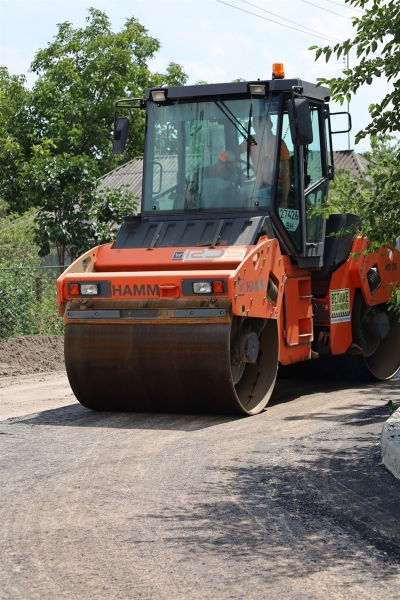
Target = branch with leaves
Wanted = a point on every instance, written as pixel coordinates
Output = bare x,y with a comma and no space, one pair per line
377,46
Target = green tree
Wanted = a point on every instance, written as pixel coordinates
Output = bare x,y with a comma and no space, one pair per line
17,246
378,204
377,46
73,216
343,192
383,147
107,212
66,187
80,76
16,130
374,197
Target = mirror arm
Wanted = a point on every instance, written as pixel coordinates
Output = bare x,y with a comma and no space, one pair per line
297,92
128,103
343,112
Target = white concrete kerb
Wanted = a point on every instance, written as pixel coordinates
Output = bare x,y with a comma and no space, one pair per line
390,443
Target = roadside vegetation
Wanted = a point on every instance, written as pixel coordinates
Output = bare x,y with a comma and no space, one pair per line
377,46
374,196
55,142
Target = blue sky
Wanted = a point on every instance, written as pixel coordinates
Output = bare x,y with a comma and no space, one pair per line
211,40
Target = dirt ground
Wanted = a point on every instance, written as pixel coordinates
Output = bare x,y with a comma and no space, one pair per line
31,354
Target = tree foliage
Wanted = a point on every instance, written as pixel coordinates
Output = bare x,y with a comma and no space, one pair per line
56,139
15,138
374,197
379,205
107,212
17,246
72,215
65,185
15,111
377,46
80,76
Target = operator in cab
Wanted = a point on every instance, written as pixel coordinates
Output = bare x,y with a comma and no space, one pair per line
262,152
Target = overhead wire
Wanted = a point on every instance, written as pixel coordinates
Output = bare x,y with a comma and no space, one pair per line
326,38
283,19
349,7
327,10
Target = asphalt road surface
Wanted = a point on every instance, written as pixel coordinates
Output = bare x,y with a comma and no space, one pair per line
292,503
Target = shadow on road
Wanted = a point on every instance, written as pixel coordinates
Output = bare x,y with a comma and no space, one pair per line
286,390
77,415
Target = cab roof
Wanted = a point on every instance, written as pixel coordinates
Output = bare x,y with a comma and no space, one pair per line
310,90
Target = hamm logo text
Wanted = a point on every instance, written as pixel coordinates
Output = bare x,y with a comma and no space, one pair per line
135,290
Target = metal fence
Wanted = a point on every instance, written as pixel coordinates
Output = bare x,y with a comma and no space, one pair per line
28,301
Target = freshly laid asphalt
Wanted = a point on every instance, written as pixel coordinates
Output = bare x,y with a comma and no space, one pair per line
292,503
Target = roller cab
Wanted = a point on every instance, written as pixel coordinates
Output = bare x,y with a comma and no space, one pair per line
227,271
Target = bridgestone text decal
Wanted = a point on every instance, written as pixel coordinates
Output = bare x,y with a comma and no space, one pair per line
340,305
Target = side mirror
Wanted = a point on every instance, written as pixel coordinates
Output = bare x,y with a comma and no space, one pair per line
300,121
120,133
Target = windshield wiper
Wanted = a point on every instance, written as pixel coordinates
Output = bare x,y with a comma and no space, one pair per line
230,116
233,119
238,126
250,141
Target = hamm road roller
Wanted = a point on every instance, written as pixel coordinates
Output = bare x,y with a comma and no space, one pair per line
230,269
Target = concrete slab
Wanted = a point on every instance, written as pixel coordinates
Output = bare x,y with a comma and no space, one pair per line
390,444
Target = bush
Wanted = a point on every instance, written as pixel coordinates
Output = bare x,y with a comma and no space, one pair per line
28,302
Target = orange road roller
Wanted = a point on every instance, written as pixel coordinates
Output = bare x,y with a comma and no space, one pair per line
231,268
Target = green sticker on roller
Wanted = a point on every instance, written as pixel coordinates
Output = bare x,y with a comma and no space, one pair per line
340,305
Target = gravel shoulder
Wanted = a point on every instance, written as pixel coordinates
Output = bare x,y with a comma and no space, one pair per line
22,395
32,375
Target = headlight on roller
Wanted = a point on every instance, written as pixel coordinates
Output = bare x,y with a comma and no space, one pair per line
202,287
89,289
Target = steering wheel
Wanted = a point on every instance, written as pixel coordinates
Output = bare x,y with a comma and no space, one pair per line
238,171
243,170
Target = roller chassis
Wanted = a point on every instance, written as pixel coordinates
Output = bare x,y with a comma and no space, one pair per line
177,354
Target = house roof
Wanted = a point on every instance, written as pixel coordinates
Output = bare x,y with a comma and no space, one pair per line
349,159
131,173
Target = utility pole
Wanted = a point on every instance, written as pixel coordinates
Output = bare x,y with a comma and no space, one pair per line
346,64
348,103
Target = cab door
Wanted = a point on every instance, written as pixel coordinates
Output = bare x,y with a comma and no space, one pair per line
315,179
300,218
